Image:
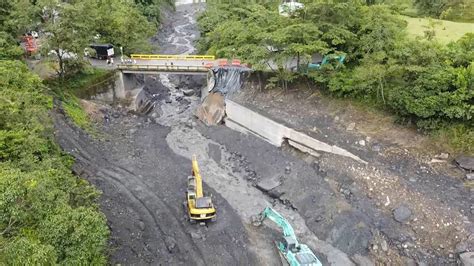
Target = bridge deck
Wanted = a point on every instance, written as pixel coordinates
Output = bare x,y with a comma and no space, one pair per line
189,64
167,65
161,68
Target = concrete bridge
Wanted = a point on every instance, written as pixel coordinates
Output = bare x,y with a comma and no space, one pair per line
126,83
171,64
166,64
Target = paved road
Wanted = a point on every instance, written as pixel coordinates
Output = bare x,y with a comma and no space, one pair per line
153,62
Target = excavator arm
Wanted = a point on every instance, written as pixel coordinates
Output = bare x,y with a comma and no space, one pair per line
197,175
280,221
296,254
199,207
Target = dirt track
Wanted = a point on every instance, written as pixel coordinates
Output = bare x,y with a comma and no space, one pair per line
142,166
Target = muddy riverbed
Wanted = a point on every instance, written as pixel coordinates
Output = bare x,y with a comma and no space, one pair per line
337,206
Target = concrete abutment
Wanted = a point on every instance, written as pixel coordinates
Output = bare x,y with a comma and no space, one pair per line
124,83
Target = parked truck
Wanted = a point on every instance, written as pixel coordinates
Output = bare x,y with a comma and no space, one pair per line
102,51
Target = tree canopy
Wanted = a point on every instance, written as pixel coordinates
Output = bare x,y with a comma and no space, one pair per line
68,27
47,215
420,80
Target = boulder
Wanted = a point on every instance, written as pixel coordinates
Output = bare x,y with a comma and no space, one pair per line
188,92
467,258
212,109
402,214
351,127
268,184
466,162
376,148
275,193
470,176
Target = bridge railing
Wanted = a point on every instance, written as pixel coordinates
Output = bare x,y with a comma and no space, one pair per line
172,57
162,68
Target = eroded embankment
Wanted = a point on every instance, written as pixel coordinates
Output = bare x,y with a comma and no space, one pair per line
143,183
418,204
143,164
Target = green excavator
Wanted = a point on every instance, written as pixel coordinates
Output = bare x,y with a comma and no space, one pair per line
326,60
335,60
295,253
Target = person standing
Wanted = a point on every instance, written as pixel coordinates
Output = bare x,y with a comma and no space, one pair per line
106,118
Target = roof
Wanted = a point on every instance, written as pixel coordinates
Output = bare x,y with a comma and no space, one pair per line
305,258
107,45
204,202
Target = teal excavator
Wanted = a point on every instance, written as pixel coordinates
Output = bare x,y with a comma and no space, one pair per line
296,254
326,60
333,59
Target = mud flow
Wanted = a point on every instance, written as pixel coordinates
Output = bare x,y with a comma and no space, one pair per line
342,209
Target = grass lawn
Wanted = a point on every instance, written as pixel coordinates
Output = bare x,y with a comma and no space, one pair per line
446,31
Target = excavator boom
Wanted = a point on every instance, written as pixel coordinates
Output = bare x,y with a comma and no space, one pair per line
198,177
199,207
280,221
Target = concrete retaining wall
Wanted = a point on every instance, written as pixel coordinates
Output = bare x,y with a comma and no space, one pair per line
256,123
245,120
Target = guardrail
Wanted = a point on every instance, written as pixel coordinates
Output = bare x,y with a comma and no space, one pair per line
168,68
167,57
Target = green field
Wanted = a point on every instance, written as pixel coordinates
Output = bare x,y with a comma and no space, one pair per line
445,31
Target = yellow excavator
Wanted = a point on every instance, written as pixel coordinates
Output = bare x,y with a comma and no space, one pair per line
199,207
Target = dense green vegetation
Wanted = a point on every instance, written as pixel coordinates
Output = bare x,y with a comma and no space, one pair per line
49,216
457,10
444,31
454,10
70,26
70,91
422,81
152,8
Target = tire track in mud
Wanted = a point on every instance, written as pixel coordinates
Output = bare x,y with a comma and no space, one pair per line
226,237
148,196
245,199
124,179
162,217
226,242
